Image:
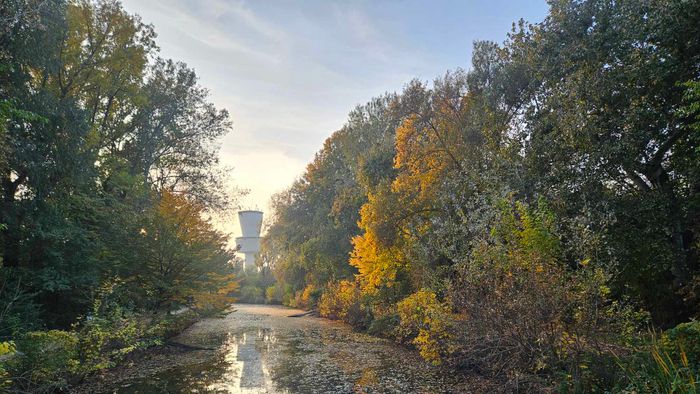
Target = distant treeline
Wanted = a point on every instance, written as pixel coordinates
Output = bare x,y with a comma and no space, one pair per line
108,169
530,219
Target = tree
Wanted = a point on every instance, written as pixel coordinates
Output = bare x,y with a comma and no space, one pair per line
603,137
171,139
315,219
184,261
91,130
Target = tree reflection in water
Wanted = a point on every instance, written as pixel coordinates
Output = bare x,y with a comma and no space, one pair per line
262,350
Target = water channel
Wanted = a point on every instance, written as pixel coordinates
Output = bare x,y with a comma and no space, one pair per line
261,349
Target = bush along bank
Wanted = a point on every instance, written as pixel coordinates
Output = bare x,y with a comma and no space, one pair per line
55,360
521,317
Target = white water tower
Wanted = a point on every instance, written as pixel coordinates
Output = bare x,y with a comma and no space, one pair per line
249,242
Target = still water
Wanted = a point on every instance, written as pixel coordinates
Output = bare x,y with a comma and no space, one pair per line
260,349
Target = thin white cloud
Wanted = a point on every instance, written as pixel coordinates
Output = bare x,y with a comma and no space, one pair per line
247,16
207,31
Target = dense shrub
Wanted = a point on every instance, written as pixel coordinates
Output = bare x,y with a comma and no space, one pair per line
665,366
384,325
305,299
46,361
103,341
527,314
47,357
684,338
274,294
7,352
308,298
215,300
343,301
169,326
428,323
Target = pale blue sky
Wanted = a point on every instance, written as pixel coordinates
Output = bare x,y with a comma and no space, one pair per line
290,71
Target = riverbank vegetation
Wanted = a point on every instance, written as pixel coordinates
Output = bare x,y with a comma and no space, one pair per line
108,171
533,219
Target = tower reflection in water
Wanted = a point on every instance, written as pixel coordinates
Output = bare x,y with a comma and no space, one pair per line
245,367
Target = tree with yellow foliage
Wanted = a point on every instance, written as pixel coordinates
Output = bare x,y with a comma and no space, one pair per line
186,261
440,150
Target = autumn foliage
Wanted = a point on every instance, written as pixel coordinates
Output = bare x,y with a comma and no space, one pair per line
187,263
530,219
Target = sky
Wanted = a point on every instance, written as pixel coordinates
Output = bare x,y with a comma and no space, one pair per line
289,72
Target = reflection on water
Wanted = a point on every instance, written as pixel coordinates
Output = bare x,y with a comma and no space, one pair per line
239,366
261,350
244,369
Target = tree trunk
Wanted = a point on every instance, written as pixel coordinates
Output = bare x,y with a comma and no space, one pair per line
10,236
680,270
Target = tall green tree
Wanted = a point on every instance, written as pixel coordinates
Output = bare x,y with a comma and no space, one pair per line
171,139
603,135
94,130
